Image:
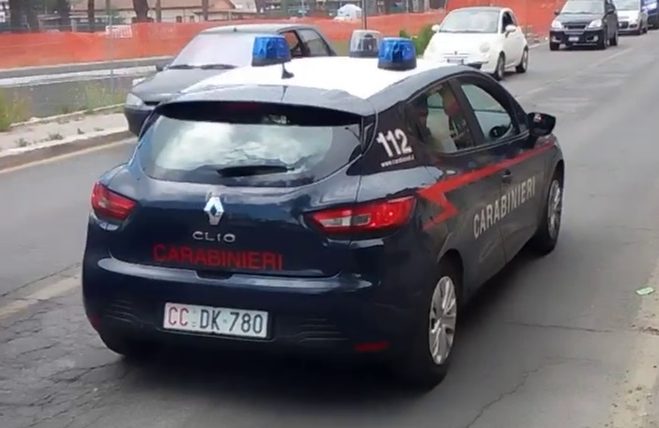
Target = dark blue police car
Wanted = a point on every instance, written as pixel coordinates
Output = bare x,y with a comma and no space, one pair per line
346,205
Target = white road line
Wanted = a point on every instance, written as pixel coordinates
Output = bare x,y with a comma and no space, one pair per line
77,76
634,401
67,156
49,292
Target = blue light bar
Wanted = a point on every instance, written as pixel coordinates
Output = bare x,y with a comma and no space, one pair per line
365,43
397,53
269,50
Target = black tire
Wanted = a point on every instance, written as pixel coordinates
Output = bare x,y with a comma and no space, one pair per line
554,46
603,40
500,69
417,368
524,62
614,39
130,348
545,239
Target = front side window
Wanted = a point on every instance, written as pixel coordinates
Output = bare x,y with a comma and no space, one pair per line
315,44
439,122
294,43
470,21
506,21
493,118
248,142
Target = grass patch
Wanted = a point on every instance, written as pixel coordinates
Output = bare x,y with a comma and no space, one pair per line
56,136
11,111
342,47
97,96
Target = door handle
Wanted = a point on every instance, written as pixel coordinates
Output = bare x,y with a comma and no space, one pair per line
507,176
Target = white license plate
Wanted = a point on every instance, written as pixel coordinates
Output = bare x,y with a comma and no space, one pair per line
574,39
221,321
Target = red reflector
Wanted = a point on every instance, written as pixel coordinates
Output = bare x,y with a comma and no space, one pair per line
95,321
366,217
109,205
371,346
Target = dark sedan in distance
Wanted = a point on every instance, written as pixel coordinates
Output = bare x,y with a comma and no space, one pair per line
585,22
211,52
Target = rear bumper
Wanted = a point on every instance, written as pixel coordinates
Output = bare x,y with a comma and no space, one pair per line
337,315
576,37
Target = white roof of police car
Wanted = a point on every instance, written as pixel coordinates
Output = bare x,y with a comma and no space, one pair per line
359,77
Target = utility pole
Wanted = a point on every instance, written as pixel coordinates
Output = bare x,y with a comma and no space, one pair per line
158,11
364,13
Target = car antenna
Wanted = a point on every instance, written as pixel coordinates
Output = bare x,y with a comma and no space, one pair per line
285,74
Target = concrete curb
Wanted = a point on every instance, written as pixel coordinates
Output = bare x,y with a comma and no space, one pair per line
72,115
21,156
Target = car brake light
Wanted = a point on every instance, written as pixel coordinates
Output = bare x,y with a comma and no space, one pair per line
109,205
372,216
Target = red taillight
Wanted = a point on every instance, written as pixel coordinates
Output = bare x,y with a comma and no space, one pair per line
109,205
367,217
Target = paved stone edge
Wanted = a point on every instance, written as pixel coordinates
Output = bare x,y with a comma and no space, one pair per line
43,152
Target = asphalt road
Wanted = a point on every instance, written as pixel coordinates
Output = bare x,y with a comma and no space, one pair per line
562,341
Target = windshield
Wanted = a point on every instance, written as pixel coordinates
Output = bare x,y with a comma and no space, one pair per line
583,6
470,21
272,147
233,49
628,4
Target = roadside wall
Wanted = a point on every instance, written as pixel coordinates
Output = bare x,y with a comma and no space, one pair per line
163,39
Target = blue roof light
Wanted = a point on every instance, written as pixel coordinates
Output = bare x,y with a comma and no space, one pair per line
365,43
269,50
397,53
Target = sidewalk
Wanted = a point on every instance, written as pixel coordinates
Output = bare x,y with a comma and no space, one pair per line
41,139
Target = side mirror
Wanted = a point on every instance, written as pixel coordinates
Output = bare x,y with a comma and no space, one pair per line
161,67
510,29
541,124
435,28
557,12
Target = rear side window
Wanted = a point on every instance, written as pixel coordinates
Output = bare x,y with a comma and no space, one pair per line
249,144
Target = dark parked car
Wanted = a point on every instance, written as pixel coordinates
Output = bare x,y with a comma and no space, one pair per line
650,7
585,22
294,209
214,51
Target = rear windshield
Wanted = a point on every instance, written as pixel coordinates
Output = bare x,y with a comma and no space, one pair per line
248,144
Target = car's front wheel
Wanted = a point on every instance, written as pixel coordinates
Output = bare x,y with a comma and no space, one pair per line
524,63
545,239
554,46
603,41
500,69
614,39
425,363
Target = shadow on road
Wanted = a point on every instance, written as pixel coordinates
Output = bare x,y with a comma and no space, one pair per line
305,381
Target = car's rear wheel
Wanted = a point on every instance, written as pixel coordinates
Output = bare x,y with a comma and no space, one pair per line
129,347
425,363
500,69
554,46
545,239
524,63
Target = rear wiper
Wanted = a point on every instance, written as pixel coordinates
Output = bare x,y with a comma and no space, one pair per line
181,67
245,170
217,67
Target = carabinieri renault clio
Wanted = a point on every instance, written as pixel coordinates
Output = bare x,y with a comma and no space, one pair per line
332,204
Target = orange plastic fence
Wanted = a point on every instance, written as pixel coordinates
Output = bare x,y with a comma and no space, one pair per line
162,39
536,14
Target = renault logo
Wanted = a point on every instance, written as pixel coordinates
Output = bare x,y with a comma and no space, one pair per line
214,209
